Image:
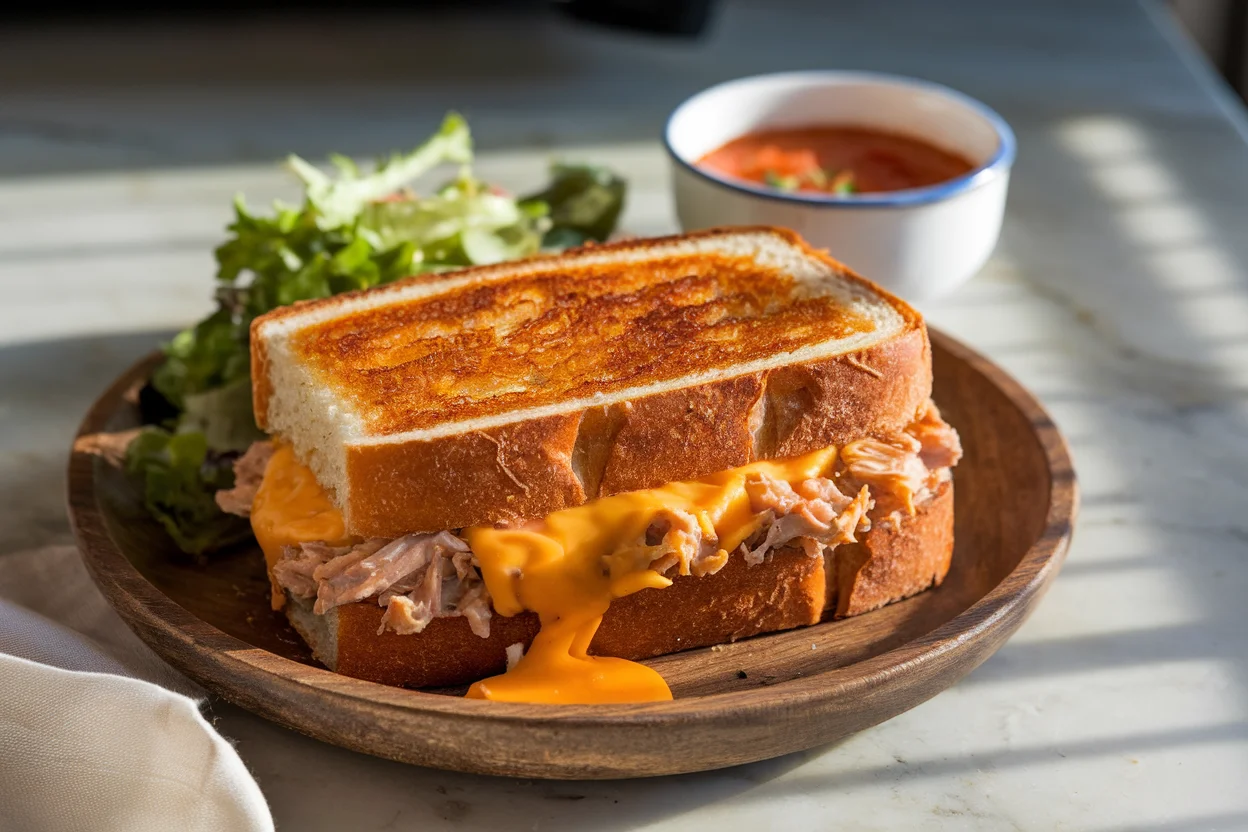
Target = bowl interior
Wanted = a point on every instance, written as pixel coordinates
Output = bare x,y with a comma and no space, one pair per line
940,116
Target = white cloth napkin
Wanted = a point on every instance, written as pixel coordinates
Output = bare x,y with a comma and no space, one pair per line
96,732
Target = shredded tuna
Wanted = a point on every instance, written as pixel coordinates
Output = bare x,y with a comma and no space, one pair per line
770,494
684,537
810,547
888,480
463,564
411,613
375,573
677,540
449,584
335,566
248,474
711,560
940,446
303,567
403,616
401,587
904,470
893,470
446,582
428,596
474,605
294,573
815,512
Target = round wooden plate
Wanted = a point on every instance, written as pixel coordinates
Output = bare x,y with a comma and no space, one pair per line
758,698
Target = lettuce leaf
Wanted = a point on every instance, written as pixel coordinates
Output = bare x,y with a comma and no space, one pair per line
339,201
584,203
180,476
224,415
465,223
213,353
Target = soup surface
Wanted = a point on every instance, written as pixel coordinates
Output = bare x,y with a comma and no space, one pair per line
835,160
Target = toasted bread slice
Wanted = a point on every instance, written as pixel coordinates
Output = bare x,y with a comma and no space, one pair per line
511,391
791,589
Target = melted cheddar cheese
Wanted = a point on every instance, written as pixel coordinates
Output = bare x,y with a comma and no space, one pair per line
291,508
567,567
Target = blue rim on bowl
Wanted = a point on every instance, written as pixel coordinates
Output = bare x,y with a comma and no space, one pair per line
1001,160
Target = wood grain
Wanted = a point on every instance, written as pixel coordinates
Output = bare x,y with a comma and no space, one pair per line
759,698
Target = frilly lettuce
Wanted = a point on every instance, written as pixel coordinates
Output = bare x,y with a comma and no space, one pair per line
339,201
181,475
584,203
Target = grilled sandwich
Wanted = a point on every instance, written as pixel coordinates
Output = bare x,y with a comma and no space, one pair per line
528,477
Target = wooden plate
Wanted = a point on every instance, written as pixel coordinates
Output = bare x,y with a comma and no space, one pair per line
759,698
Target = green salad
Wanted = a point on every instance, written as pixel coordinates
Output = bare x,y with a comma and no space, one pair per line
355,229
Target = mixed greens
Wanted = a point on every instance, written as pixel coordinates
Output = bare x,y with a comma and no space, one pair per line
354,230
839,182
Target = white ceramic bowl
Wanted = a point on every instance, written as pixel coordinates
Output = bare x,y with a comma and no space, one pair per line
919,243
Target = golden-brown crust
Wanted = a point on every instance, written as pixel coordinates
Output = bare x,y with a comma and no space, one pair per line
789,590
683,435
790,237
890,564
481,349
445,654
506,473
875,392
736,602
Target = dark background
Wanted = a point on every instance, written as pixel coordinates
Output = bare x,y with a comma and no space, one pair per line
676,18
1219,27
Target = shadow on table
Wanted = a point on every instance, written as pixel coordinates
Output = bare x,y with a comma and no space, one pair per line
1137,244
45,390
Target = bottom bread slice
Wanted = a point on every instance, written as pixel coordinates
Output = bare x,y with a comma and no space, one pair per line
790,589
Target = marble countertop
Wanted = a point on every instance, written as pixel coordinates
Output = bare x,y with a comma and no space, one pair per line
1119,294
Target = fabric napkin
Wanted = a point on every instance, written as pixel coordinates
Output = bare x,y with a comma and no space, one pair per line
96,732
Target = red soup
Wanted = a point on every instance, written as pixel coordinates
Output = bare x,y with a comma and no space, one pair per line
835,160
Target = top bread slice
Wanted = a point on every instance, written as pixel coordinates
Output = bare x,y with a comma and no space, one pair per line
503,392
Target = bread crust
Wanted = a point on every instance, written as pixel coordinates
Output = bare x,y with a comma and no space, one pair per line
892,563
791,589
876,392
683,435
508,473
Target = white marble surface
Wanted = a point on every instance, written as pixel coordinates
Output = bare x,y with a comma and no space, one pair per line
1119,294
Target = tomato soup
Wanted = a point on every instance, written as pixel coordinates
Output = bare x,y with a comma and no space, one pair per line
835,160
